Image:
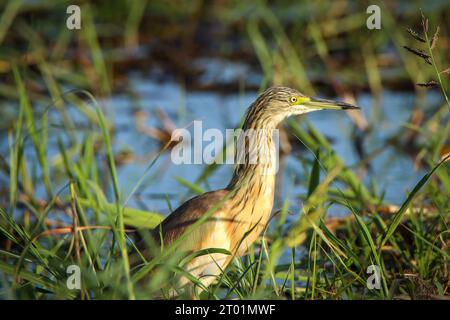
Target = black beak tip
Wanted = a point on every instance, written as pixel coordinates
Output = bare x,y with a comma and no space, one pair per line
350,107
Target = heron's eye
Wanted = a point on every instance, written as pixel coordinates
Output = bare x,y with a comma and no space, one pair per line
293,99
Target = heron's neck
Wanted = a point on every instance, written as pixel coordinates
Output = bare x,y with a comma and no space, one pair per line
256,154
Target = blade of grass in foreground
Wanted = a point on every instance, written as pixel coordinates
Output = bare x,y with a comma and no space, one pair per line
30,122
401,212
119,226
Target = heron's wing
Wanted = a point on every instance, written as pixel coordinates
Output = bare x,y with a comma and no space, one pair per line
179,220
188,213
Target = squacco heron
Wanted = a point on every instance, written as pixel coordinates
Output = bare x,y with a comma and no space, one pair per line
239,213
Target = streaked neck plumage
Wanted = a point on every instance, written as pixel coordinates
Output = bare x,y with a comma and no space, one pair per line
256,155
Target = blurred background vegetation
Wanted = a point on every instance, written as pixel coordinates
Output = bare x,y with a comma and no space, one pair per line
87,115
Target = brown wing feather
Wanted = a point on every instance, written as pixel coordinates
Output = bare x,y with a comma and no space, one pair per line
187,214
180,219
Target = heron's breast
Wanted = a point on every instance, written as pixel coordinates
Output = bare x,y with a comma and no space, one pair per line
250,219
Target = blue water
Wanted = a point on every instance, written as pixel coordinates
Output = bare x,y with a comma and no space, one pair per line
391,170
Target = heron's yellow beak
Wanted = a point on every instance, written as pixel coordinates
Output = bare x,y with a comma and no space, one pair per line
323,104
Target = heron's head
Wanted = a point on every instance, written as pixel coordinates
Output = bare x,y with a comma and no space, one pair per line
278,103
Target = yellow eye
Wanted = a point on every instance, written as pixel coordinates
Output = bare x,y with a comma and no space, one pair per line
293,99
